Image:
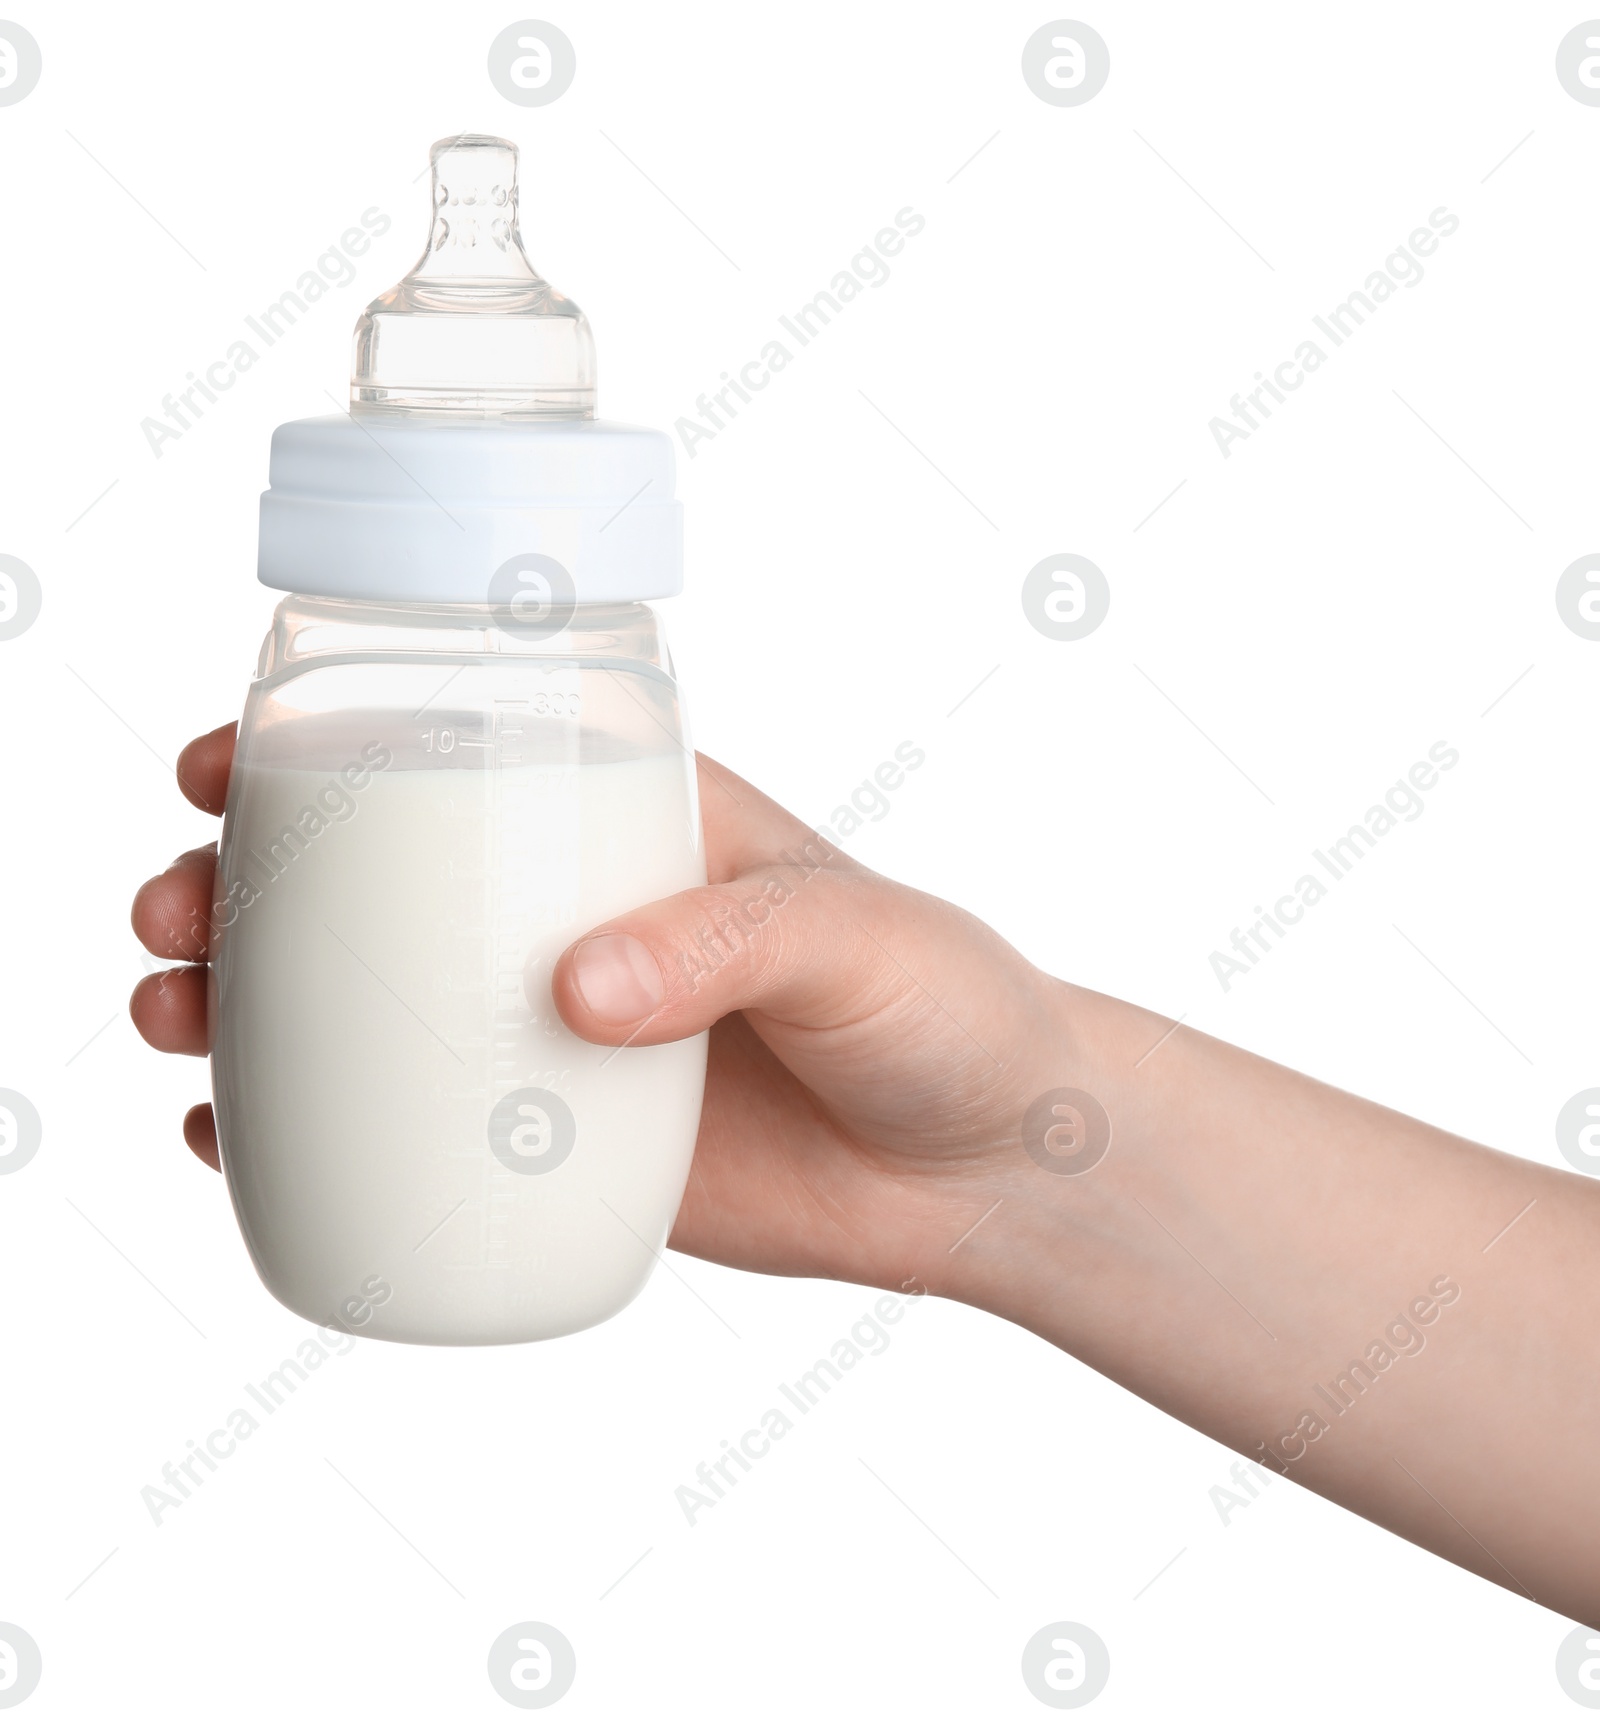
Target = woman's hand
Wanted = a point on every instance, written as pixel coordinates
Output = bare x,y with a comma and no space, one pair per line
1260,1255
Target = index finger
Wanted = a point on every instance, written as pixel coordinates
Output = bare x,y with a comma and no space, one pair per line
743,826
745,829
203,767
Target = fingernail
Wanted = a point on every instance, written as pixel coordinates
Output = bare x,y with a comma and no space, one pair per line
617,978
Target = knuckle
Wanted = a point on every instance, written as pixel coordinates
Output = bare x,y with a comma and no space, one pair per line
724,927
752,923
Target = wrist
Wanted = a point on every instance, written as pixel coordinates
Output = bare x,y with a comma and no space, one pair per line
1048,1207
1001,1226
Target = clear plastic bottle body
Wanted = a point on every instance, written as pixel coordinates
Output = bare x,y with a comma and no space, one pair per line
428,804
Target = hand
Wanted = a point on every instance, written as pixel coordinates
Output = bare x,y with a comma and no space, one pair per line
873,1049
1253,1239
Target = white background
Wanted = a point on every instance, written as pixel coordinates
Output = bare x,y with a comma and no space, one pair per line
1339,593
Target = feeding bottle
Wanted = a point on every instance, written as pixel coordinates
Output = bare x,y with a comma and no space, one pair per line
463,749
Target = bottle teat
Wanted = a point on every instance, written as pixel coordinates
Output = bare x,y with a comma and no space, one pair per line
473,329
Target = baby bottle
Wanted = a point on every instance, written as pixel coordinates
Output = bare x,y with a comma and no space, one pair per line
462,750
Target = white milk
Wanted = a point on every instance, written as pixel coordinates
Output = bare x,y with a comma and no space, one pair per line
388,987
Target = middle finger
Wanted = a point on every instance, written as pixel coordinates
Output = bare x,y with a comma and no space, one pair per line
171,913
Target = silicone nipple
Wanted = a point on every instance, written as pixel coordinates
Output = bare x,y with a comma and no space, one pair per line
473,329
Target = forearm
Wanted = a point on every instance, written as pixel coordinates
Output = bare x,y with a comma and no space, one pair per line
1334,1289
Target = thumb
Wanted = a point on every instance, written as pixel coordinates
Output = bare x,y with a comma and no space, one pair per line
786,938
